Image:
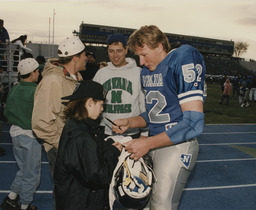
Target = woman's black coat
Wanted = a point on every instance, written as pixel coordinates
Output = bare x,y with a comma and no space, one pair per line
84,167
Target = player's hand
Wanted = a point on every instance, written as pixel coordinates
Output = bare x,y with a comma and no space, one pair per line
137,148
141,137
118,145
121,126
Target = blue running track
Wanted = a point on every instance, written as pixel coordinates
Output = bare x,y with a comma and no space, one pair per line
224,177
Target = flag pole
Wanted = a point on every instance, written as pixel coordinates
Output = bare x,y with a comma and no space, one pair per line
53,24
49,41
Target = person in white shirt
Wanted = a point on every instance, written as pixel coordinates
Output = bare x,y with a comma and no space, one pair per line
121,78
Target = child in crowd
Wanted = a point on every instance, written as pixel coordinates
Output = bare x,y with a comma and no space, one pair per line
26,148
85,162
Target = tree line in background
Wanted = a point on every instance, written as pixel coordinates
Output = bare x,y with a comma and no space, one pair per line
240,48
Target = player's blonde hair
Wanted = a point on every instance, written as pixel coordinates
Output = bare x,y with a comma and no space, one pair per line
151,36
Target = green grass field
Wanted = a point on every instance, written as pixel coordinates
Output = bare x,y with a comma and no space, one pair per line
216,113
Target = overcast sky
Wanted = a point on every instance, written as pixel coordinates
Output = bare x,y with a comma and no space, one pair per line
219,19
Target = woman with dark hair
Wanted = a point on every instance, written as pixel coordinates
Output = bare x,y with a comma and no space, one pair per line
20,50
85,162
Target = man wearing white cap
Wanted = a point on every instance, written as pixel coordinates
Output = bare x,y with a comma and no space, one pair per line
27,150
60,77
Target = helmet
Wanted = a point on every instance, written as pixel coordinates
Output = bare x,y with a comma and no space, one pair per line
134,181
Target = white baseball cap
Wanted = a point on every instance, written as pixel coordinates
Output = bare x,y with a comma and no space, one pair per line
70,46
27,65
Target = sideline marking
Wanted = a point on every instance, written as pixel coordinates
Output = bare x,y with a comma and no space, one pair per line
220,187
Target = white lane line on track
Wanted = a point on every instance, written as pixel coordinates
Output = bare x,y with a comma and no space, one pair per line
185,189
44,191
198,161
215,144
38,191
44,162
220,187
231,143
229,133
224,160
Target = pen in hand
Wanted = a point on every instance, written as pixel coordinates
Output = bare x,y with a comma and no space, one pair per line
113,123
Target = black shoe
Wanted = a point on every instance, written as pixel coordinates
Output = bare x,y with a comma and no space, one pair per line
30,208
9,204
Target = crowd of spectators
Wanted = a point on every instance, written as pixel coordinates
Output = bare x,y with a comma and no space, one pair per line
225,66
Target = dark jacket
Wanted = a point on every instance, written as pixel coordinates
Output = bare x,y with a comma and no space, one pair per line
4,35
84,167
90,71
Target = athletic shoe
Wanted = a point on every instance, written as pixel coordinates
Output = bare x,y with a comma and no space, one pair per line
9,204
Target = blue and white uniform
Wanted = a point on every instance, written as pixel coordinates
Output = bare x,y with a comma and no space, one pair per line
178,79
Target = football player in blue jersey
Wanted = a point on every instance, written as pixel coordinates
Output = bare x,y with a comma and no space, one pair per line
173,81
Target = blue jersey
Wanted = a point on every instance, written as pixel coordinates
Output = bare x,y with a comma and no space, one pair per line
178,79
